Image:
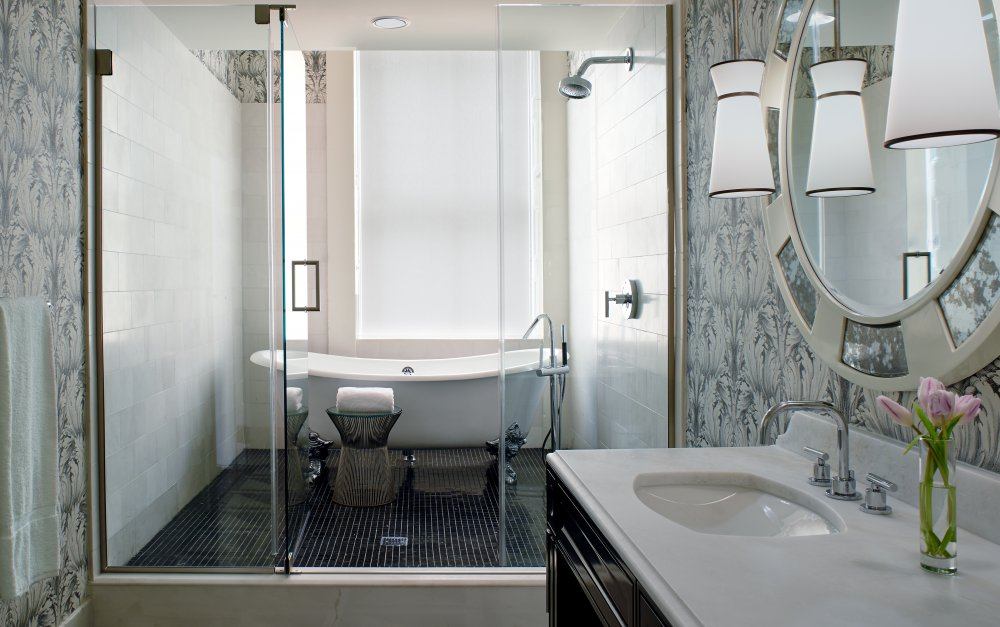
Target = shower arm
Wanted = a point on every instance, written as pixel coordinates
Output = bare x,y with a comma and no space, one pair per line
627,58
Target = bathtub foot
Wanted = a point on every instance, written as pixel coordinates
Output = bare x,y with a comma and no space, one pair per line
510,477
513,441
409,457
319,450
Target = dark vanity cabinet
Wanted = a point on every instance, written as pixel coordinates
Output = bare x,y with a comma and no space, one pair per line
587,581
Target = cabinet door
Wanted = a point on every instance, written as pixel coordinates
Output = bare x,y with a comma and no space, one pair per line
569,603
583,542
648,616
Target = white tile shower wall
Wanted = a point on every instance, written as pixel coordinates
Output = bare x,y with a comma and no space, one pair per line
584,308
316,243
254,166
172,207
255,253
618,231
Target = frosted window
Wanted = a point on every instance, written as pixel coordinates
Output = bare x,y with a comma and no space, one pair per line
428,250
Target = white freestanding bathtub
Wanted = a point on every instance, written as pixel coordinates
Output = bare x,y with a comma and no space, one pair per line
446,402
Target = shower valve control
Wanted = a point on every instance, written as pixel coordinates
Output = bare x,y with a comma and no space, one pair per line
629,299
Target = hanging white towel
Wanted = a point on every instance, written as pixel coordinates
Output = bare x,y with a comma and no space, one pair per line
365,400
29,520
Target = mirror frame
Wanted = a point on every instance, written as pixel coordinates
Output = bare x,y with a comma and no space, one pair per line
927,346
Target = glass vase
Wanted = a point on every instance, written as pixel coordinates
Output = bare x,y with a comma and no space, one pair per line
938,506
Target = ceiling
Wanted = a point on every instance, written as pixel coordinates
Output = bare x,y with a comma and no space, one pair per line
434,24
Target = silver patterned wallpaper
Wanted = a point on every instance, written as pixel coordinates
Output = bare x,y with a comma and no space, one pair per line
244,73
41,251
744,352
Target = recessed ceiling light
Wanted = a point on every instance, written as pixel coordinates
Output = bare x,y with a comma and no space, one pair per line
390,22
816,19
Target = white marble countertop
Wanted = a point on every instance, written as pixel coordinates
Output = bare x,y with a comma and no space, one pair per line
867,575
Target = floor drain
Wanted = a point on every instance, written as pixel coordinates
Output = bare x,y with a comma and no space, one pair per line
395,540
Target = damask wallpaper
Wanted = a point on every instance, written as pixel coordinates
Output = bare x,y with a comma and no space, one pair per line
41,251
244,73
744,352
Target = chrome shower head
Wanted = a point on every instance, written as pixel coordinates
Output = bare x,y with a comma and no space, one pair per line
576,86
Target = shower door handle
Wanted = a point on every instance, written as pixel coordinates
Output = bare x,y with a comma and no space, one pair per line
305,267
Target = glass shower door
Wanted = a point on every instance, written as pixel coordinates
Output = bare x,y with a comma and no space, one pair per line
298,291
585,213
182,205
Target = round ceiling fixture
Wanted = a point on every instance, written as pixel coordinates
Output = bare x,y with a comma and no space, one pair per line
390,22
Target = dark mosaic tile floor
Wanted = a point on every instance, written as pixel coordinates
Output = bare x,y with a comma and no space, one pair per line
447,509
228,524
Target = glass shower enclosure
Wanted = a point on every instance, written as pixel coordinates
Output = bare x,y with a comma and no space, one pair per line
273,224
188,244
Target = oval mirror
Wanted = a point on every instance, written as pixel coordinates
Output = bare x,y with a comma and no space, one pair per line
885,239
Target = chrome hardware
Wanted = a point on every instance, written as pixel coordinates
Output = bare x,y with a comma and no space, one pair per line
821,471
842,487
875,497
407,370
308,267
555,372
628,299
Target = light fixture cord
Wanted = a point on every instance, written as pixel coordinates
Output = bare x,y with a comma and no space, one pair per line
836,29
736,29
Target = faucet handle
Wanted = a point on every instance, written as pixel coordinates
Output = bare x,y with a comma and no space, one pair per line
880,482
821,455
821,471
875,498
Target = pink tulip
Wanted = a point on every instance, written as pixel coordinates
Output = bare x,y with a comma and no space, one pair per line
967,407
898,413
928,385
940,406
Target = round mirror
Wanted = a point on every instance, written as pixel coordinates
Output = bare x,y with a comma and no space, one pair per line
901,217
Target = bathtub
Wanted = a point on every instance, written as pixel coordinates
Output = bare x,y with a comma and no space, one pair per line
446,402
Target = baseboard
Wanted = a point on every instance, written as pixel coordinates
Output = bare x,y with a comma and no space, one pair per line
82,617
305,600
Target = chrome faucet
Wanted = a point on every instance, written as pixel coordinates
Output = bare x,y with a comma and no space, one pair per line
842,487
553,368
541,347
556,373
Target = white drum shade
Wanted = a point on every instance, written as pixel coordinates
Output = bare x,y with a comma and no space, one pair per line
942,91
840,163
741,166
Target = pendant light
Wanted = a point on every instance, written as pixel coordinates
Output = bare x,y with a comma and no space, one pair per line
840,163
741,165
942,91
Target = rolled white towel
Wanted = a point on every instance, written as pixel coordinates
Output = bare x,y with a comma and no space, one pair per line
293,399
365,400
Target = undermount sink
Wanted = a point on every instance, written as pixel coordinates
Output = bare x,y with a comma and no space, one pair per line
735,504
